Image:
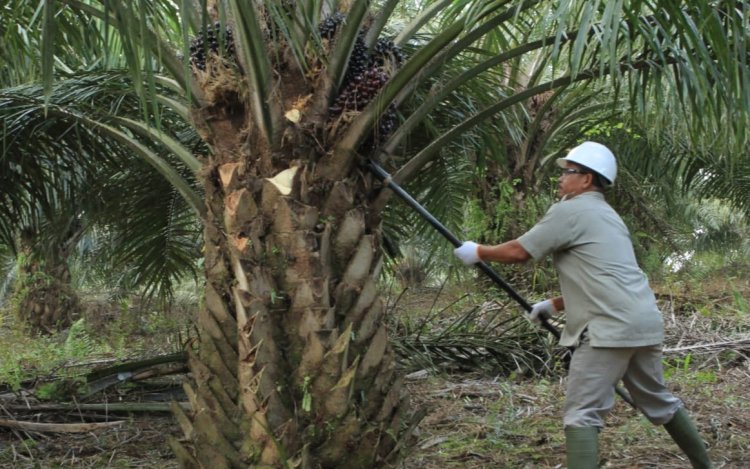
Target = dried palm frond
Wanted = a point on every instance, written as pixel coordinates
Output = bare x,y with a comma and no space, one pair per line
701,337
485,337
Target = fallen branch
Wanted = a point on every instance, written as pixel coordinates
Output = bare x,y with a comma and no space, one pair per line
136,374
58,427
711,346
180,357
116,407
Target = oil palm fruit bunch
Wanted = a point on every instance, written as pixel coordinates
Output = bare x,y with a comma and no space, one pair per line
359,60
360,90
212,40
385,51
383,54
328,27
367,72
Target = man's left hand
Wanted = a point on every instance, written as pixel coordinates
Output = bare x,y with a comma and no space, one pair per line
543,310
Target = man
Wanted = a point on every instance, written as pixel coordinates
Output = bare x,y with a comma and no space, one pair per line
612,318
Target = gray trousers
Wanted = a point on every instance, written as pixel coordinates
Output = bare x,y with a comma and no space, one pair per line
594,372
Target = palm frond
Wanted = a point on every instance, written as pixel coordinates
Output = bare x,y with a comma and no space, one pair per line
380,21
81,174
408,32
154,236
22,110
482,338
254,59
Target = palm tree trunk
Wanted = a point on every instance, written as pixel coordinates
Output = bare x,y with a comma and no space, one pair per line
46,301
293,363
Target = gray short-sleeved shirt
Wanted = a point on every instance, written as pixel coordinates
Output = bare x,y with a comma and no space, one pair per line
602,286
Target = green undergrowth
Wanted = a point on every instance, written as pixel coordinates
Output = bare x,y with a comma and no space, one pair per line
103,334
23,358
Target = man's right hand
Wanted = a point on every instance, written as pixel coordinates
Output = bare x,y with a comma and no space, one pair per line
541,311
468,252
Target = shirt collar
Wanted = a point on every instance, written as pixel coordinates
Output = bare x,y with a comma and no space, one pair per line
595,194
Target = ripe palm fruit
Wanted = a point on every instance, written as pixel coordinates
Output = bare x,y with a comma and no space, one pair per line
385,51
212,40
360,90
367,72
328,27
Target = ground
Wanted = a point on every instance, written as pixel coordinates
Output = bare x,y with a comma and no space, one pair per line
475,419
485,421
139,443
472,421
481,422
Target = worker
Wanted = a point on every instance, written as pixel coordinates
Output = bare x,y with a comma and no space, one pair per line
612,318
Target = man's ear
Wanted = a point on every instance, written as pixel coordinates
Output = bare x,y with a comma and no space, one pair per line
589,180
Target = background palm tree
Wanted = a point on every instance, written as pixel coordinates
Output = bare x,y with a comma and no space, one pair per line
63,179
293,364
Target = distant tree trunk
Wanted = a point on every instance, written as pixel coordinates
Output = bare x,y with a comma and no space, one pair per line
46,301
293,363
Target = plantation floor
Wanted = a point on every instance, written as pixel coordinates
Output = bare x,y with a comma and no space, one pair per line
472,421
139,443
479,422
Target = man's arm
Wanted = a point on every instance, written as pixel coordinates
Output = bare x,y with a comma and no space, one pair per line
510,252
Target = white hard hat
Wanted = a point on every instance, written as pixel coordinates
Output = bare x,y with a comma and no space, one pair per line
595,157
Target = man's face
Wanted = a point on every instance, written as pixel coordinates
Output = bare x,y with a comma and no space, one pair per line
573,180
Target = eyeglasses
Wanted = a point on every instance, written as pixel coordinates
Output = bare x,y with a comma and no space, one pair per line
573,171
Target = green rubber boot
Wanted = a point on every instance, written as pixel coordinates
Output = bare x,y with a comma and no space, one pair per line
683,431
582,447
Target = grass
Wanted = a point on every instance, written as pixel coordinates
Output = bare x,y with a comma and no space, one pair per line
23,358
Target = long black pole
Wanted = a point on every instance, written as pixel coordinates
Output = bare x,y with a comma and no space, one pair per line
388,181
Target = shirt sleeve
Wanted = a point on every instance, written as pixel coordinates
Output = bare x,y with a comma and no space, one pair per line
549,235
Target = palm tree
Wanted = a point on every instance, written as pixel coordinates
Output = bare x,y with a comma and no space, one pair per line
62,180
57,171
293,365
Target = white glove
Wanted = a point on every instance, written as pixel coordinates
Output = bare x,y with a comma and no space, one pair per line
542,310
468,253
